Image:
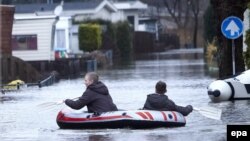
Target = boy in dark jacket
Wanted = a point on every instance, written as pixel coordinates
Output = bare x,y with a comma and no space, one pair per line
96,96
160,102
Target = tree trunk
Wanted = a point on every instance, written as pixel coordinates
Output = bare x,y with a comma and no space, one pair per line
180,13
223,9
195,31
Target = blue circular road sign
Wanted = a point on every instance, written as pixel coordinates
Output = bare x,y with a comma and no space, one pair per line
232,27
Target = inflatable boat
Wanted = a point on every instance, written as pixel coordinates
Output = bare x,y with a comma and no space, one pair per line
236,87
135,119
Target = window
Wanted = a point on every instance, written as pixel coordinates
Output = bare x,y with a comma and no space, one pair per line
24,42
131,20
60,40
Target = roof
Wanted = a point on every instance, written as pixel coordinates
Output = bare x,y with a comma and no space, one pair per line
147,19
33,17
88,5
130,5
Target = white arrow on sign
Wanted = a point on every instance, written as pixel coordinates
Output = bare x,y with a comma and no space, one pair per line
232,26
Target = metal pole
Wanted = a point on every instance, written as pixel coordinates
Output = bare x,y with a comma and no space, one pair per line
53,31
233,56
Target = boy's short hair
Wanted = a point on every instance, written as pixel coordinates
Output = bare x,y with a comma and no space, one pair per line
93,76
160,87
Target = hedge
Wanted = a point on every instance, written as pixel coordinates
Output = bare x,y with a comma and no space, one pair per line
120,33
90,38
124,38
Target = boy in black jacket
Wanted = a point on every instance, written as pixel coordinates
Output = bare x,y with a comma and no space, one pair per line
96,96
160,102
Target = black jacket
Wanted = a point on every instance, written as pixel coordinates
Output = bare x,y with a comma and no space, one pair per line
96,98
161,102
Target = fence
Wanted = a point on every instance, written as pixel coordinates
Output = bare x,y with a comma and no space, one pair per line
18,85
13,68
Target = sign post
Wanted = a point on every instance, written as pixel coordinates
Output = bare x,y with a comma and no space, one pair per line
232,28
233,56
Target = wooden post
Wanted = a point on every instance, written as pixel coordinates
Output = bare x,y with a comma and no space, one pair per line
6,22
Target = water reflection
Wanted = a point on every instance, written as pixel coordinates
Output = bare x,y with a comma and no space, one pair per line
99,138
236,111
180,54
7,98
87,138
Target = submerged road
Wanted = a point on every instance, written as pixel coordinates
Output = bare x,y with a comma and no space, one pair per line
184,73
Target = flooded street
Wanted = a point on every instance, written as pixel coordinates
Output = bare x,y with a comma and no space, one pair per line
182,70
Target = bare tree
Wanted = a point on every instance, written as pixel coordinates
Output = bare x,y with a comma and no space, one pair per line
180,12
195,7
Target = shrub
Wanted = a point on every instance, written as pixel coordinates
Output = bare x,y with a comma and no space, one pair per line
124,38
90,38
119,35
109,27
211,52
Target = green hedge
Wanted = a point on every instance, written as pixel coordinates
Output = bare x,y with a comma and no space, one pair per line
90,38
119,32
124,38
110,27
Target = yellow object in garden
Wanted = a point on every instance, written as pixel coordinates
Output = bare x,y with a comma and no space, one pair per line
211,51
13,84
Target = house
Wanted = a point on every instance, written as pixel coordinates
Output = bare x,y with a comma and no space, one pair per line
65,34
100,9
149,25
129,10
34,34
31,37
65,41
63,37
94,9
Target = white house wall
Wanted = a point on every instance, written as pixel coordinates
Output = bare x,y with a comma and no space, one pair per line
75,44
64,24
74,39
103,14
118,16
136,17
40,27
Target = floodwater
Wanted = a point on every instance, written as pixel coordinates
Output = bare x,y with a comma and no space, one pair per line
183,70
